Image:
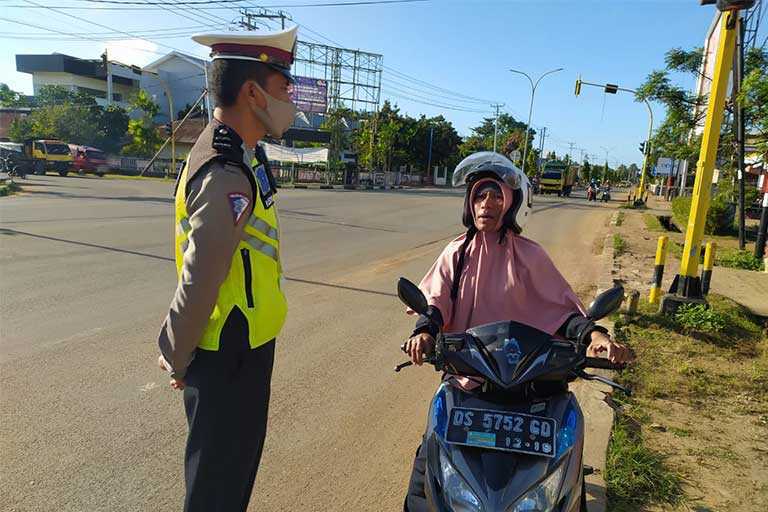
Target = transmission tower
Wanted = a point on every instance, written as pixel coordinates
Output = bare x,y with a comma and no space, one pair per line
752,25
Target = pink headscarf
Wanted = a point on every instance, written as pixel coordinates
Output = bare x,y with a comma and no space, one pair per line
515,280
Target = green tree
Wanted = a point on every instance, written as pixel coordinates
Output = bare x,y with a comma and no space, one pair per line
144,137
510,137
754,96
11,98
72,117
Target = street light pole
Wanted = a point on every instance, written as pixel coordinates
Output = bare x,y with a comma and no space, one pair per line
530,108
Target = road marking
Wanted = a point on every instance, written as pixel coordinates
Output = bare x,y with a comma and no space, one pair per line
148,387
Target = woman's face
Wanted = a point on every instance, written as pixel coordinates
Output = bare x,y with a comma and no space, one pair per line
488,205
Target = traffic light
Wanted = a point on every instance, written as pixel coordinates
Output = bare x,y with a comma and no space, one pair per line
730,5
578,87
611,88
642,147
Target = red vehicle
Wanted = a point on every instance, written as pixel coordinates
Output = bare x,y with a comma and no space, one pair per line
88,159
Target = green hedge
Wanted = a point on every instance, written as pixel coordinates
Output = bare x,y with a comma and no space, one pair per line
719,216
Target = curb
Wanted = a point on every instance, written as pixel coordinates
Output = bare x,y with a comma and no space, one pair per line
599,416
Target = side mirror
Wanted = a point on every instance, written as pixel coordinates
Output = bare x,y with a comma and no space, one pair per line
411,296
606,303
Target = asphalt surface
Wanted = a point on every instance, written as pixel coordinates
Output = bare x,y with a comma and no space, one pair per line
86,274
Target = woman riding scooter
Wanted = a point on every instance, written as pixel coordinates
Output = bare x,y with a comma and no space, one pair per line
492,265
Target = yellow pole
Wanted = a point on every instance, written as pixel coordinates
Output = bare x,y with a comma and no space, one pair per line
709,263
707,155
658,270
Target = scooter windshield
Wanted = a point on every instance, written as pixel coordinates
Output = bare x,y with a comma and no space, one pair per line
506,350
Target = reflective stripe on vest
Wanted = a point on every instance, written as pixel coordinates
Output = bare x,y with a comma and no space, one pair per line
262,227
262,246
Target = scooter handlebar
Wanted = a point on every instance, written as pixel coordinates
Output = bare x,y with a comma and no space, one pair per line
602,363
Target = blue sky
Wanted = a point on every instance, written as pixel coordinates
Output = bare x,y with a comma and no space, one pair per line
464,46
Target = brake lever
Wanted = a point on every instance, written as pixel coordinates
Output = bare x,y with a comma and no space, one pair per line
403,365
588,376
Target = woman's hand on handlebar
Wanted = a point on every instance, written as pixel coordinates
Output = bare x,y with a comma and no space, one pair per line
603,346
418,346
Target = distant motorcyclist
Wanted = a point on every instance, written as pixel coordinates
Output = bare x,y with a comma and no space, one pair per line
492,273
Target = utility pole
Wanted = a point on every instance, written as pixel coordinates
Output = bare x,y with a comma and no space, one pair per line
247,17
738,125
429,150
108,71
571,145
541,146
497,106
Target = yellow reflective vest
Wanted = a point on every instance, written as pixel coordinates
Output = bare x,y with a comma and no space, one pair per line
253,283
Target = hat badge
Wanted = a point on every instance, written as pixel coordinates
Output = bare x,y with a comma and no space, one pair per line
263,57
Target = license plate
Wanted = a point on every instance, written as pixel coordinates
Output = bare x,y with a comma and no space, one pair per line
502,430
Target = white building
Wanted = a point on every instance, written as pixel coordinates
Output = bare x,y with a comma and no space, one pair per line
82,75
175,81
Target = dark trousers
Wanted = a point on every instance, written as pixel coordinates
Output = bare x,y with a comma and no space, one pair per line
226,400
416,500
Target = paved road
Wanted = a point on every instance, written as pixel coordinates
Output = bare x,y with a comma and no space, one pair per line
89,423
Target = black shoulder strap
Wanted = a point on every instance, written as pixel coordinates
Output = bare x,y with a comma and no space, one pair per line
460,265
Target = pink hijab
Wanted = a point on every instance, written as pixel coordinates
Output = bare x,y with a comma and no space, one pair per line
515,280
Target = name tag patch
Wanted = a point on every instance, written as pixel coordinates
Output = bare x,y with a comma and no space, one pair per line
265,188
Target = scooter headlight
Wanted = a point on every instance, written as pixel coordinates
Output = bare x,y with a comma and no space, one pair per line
458,494
543,496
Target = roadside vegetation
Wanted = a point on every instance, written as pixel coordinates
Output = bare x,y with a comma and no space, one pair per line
619,245
694,430
9,188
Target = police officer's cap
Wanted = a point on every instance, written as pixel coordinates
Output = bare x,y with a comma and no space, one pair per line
274,49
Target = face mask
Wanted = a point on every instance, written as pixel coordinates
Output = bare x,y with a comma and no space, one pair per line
277,117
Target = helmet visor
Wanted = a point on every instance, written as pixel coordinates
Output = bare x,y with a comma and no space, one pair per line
487,162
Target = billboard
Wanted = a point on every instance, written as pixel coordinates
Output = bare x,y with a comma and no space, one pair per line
310,94
668,167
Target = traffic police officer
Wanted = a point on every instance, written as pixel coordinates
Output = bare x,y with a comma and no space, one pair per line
218,339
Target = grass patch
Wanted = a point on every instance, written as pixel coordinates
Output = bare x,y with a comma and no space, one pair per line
734,258
652,222
708,362
619,245
9,188
619,218
700,317
636,475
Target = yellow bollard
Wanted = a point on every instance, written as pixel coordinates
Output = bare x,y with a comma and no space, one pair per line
709,262
658,270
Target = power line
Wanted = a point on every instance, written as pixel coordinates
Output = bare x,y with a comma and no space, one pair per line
103,26
206,2
446,107
18,22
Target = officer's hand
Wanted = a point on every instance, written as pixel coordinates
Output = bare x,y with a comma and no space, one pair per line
419,345
175,383
603,346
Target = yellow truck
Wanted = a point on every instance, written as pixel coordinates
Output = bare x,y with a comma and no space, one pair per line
557,178
49,155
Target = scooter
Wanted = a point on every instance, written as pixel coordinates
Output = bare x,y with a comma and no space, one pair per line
605,194
516,443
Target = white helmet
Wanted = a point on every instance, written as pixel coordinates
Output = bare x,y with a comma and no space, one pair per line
487,164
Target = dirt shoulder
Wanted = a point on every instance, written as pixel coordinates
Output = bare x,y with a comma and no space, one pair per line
694,435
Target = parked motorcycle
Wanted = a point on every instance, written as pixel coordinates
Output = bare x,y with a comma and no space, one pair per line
516,443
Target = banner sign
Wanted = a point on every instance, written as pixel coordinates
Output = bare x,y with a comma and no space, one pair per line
310,94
